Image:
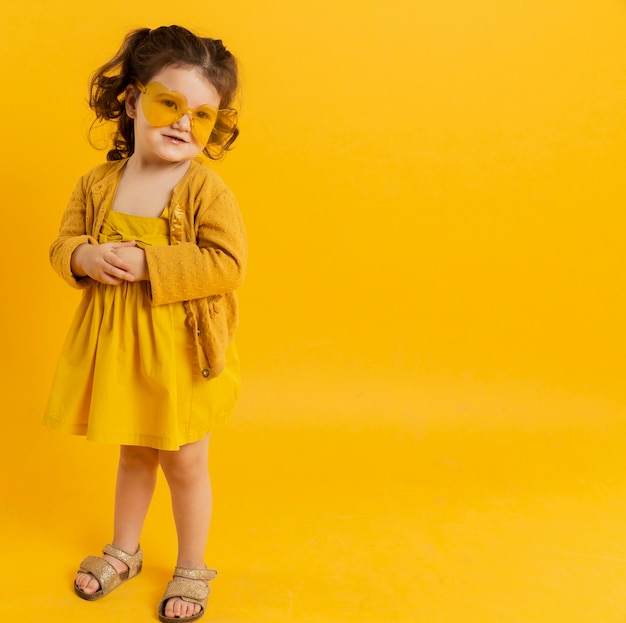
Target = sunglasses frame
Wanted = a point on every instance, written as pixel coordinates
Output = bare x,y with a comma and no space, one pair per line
227,117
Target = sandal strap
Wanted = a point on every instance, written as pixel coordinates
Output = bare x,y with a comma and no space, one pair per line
195,574
132,561
104,572
188,591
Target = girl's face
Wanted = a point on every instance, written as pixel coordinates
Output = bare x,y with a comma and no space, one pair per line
175,142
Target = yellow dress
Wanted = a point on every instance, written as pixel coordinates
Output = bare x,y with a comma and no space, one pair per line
126,373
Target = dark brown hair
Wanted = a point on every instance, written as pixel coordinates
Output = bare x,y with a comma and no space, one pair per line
143,54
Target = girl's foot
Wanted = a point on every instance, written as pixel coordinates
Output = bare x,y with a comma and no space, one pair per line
177,608
186,595
99,575
88,584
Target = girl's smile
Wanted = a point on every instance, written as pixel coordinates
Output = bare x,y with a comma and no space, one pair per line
177,140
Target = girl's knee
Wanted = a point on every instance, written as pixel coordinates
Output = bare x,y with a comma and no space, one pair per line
136,458
188,463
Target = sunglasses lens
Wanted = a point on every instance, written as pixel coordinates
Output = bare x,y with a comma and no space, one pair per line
161,106
203,121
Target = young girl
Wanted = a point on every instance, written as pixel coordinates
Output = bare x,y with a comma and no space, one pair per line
156,242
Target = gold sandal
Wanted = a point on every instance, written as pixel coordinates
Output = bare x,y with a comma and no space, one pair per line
183,587
106,574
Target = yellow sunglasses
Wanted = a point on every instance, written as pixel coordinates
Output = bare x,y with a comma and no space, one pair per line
163,107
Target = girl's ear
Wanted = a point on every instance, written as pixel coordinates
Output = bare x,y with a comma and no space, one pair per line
130,100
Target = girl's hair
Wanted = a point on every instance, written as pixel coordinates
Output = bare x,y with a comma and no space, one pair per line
143,54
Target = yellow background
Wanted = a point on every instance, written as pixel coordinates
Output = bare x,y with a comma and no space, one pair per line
433,321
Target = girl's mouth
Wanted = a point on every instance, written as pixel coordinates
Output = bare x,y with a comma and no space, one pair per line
175,139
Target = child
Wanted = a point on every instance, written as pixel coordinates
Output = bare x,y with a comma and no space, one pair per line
156,242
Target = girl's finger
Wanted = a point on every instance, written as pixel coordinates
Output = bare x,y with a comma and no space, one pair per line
117,262
128,243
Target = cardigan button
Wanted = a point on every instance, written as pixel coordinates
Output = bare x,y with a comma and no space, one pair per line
205,373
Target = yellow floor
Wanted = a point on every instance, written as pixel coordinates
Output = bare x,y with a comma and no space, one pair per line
433,184
443,506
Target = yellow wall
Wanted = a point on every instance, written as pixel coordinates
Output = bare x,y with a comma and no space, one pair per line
433,192
433,325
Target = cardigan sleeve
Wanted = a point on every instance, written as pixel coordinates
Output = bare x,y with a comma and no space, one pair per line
213,264
72,233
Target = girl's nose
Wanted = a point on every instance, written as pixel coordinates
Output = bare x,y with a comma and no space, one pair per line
184,123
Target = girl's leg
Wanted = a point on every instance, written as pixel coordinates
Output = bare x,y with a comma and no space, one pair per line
187,474
136,480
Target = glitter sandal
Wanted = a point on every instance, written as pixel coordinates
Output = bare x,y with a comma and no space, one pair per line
183,587
106,574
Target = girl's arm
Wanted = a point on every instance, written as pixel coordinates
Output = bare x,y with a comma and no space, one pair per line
214,264
75,254
72,233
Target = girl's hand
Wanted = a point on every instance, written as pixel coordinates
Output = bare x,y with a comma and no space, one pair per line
102,262
135,257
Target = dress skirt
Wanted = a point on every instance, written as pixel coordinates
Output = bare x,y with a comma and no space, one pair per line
127,374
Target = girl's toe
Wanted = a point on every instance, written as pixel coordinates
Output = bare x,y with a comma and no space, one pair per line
84,582
180,608
172,608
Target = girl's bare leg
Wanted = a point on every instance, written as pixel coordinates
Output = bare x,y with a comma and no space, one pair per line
136,480
187,474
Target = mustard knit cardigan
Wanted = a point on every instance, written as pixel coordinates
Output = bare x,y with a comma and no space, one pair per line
203,265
